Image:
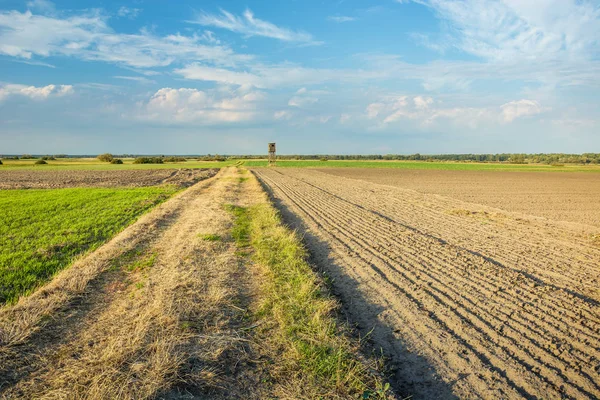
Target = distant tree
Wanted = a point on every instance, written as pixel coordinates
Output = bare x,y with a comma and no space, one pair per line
148,160
106,157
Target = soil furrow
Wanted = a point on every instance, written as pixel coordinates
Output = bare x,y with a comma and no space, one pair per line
526,340
447,303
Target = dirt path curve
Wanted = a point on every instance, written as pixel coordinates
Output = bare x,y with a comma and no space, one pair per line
157,311
468,301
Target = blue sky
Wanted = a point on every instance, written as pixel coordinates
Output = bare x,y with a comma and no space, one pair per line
347,76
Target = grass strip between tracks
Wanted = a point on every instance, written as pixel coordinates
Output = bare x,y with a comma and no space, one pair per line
315,356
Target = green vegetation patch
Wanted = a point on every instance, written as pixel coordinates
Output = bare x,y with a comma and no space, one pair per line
210,237
306,335
42,231
433,165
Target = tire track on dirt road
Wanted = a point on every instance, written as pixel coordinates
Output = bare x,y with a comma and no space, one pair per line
167,324
485,325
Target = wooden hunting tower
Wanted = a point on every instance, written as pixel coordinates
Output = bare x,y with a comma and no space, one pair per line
272,154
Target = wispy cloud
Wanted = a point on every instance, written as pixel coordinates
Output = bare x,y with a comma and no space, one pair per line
42,6
341,18
139,79
247,24
522,30
127,12
87,36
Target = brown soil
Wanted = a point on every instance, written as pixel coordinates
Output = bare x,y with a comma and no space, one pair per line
25,179
157,312
468,301
572,197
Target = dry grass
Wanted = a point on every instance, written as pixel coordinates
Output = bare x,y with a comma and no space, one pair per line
166,310
316,357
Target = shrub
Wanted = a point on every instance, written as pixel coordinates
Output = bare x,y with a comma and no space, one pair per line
40,162
175,159
117,161
0,162
148,160
26,157
212,158
48,158
324,159
106,157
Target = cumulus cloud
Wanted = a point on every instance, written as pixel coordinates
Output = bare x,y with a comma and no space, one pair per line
247,24
520,108
426,111
185,105
35,93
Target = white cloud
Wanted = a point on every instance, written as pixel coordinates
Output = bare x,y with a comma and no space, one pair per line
128,12
88,37
345,118
525,30
374,109
520,108
283,115
42,6
322,119
270,76
139,79
341,18
204,73
35,93
425,111
181,106
422,103
249,25
302,101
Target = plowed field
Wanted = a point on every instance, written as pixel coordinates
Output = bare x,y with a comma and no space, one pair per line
466,300
28,179
572,197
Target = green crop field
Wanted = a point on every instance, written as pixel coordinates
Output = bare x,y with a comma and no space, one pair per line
94,164
42,231
450,166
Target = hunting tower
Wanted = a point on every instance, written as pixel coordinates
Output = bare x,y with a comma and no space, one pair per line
272,157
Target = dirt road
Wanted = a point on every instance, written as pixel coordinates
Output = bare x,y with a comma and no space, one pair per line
468,301
157,311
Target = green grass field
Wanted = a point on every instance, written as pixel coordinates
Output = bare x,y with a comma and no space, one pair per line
93,164
450,166
42,231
